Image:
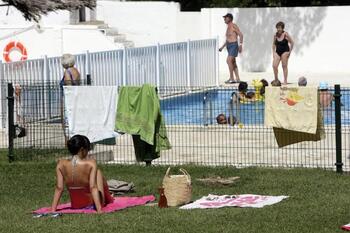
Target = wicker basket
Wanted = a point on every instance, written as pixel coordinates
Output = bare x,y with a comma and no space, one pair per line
177,188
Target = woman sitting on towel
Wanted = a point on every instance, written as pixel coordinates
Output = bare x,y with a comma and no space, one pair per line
85,183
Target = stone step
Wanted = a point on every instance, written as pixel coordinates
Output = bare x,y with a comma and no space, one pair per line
111,32
128,44
94,22
102,26
119,38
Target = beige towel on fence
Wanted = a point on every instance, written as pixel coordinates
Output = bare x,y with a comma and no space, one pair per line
295,114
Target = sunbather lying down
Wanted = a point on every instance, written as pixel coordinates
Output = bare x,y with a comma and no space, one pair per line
85,183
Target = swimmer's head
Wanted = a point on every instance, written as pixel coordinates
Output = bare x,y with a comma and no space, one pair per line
243,87
221,119
264,82
250,95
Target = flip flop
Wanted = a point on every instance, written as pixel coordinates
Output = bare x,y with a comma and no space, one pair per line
230,81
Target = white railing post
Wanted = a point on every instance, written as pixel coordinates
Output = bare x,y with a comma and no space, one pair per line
124,67
46,76
217,79
188,64
88,68
158,66
3,111
46,94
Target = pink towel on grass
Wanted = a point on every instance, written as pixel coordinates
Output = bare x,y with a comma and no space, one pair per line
346,227
119,203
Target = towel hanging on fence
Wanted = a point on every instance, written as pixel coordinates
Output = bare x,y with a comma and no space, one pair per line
295,114
91,110
138,113
292,108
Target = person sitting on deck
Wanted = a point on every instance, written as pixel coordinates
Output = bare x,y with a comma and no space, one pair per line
85,183
302,82
326,97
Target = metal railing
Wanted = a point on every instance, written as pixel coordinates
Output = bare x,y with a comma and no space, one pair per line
191,63
195,136
182,64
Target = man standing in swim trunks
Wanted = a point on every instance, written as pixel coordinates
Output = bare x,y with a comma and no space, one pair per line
232,34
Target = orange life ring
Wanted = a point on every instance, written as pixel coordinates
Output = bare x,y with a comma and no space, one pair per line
14,45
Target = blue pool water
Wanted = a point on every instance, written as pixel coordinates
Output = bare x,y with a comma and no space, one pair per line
189,109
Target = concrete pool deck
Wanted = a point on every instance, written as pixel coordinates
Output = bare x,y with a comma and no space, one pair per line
233,146
212,145
313,78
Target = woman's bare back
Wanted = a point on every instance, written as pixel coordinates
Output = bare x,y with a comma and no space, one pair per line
76,175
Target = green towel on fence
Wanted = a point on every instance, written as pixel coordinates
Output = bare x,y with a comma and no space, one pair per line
138,113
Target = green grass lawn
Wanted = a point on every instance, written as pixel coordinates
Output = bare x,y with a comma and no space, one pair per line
319,201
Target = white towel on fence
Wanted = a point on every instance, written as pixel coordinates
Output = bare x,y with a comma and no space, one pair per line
244,200
91,111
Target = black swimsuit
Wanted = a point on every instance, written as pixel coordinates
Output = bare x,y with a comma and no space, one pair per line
282,46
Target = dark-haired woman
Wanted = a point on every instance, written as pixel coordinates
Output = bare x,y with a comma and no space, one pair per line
282,46
85,183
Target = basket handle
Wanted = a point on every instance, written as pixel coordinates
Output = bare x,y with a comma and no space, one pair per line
167,172
186,174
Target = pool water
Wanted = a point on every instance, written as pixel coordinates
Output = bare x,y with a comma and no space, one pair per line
190,109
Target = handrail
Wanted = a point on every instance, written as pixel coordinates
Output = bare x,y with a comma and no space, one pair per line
12,34
206,100
231,105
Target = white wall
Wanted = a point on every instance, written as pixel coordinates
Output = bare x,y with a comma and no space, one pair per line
320,33
144,23
54,41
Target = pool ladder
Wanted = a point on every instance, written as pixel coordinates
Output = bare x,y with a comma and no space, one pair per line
232,103
207,110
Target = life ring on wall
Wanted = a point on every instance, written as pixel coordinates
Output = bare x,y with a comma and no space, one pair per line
12,46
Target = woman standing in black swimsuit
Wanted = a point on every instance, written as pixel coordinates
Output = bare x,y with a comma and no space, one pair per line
282,46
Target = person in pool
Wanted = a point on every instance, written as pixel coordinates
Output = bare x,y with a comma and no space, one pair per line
221,119
243,95
282,46
85,183
265,84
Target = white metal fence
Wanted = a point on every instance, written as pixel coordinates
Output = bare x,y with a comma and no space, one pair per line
183,64
191,63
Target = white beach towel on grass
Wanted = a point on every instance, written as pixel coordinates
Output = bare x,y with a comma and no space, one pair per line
91,111
244,200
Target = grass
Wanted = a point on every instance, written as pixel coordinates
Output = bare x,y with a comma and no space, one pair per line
319,201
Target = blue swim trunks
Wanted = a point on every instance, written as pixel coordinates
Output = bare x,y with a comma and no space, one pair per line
232,49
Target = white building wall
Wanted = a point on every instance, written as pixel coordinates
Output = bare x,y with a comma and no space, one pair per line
54,41
320,33
144,23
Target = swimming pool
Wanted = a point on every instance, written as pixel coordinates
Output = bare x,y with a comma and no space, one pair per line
190,109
